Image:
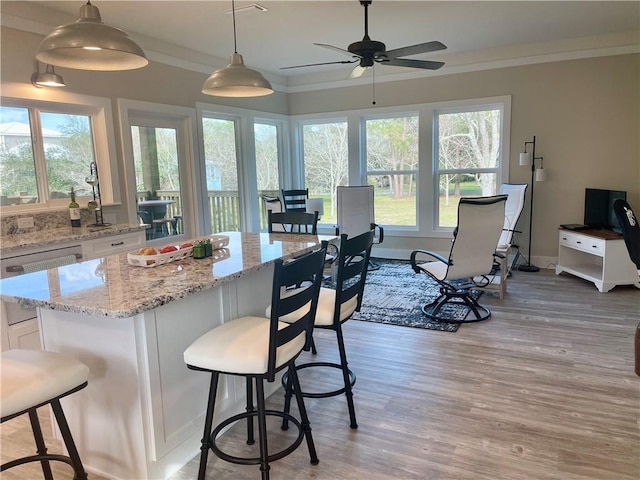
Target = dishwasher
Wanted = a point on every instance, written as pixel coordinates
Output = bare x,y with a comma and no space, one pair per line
20,325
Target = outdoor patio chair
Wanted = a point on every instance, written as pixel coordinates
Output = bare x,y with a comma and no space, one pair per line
356,214
480,222
295,200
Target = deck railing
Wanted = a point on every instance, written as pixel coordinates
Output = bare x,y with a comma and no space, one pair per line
224,208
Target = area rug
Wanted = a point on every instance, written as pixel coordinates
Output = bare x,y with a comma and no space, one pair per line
394,294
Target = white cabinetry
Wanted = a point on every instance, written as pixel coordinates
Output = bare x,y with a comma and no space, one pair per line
599,256
23,332
112,245
140,389
19,325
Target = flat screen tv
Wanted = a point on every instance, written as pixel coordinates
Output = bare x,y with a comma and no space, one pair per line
598,208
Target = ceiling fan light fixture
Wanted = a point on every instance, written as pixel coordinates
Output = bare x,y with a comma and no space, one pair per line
89,44
48,78
236,80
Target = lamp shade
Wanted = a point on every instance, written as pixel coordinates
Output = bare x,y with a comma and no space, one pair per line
541,175
315,205
89,44
47,79
525,159
236,80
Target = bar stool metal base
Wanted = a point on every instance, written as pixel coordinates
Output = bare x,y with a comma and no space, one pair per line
333,393
256,460
73,459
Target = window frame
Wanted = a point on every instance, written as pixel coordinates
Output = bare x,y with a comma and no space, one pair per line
501,169
426,151
366,173
101,123
246,156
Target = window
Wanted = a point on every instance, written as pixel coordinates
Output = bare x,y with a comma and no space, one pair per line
35,142
326,164
157,175
267,146
46,148
468,158
392,167
221,166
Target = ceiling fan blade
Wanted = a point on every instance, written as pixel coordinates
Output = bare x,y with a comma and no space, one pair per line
357,71
337,49
415,49
323,63
406,62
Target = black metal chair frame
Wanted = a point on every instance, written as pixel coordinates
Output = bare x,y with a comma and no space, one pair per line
293,222
304,268
73,459
353,260
458,291
295,200
630,229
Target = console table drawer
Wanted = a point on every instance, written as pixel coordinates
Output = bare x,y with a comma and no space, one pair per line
595,246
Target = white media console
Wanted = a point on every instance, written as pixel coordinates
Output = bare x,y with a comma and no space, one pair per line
599,256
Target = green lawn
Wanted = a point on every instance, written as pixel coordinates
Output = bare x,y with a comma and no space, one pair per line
401,211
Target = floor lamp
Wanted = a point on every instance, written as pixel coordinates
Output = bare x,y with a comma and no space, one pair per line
537,175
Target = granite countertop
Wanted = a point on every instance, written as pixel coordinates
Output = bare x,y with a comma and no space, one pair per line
14,244
110,287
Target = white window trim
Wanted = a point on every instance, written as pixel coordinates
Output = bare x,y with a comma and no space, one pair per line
182,118
502,168
357,165
245,120
103,137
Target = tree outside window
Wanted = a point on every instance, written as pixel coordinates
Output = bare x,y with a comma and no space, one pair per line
468,160
325,163
392,168
60,145
222,173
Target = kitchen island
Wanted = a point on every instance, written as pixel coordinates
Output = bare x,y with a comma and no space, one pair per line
141,416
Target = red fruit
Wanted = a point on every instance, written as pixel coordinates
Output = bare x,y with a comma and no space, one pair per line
168,248
186,245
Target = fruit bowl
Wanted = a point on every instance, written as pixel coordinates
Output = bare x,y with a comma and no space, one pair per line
140,260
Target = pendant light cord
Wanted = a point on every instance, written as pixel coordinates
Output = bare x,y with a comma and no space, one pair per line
233,13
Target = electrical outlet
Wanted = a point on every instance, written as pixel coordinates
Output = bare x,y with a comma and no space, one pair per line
25,222
110,218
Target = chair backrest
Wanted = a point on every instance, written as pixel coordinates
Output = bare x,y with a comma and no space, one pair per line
275,205
353,261
630,229
145,216
298,304
292,222
355,209
295,200
480,222
513,208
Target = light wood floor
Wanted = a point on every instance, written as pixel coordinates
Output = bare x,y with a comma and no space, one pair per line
544,390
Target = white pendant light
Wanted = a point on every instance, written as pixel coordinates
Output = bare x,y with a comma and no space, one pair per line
89,44
49,78
236,80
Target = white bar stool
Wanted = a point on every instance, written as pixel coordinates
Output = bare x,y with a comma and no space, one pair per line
257,348
31,379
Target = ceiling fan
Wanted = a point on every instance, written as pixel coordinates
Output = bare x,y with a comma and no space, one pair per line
367,51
